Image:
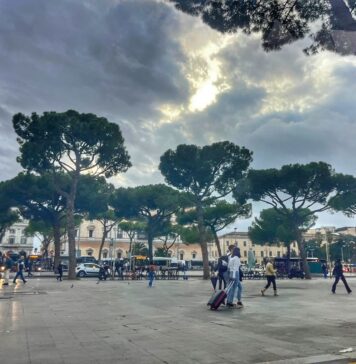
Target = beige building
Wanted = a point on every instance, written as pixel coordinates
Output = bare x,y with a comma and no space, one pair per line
241,240
117,244
16,240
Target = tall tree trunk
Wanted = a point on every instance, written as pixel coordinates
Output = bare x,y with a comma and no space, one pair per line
288,258
102,241
217,242
202,241
57,243
71,226
150,245
300,242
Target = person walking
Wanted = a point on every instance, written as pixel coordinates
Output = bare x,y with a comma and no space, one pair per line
102,273
222,269
59,271
339,274
324,269
20,269
28,265
271,278
151,275
234,279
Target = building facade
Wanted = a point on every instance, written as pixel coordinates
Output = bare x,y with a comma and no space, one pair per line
242,241
15,239
117,244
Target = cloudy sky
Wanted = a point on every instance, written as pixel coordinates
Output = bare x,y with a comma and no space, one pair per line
166,79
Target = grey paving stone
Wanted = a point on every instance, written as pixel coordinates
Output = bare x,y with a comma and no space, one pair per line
120,323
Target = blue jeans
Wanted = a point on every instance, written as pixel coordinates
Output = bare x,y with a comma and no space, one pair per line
19,274
151,277
235,290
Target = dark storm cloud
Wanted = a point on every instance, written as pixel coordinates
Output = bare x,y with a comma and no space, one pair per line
126,59
120,60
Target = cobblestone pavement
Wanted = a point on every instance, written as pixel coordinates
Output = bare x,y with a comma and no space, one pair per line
46,321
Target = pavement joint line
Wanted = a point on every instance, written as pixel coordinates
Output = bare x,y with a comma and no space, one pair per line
315,359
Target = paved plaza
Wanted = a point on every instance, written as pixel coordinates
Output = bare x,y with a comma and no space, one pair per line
81,321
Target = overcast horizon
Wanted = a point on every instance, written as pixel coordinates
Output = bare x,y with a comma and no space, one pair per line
166,78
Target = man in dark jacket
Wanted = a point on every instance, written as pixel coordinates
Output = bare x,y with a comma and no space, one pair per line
59,271
20,269
222,269
339,274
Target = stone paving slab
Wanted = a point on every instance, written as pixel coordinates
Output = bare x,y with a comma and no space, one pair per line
46,321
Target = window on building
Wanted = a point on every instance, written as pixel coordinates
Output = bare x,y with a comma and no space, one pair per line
23,240
278,254
11,240
227,242
76,233
119,234
194,255
90,252
91,233
245,253
12,231
261,254
254,253
181,256
105,254
245,243
119,254
270,253
236,243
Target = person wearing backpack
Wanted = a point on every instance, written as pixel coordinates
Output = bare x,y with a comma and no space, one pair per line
20,269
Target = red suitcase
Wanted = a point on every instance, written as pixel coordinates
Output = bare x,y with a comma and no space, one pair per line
218,298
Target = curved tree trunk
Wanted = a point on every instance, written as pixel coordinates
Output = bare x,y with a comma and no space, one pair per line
202,241
71,225
102,243
150,246
217,242
303,255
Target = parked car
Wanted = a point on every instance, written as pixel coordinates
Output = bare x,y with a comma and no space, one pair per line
87,269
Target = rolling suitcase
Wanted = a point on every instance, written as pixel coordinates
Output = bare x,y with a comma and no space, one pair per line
218,298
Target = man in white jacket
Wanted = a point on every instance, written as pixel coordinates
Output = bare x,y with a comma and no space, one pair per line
234,276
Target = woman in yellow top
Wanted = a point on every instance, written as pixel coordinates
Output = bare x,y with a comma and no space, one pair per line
271,278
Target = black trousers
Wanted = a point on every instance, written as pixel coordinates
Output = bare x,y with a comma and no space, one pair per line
221,280
271,279
337,278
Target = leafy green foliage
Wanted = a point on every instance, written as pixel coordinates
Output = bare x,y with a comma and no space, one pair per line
70,141
139,249
296,192
154,204
280,22
8,215
205,171
345,199
161,252
74,144
275,227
